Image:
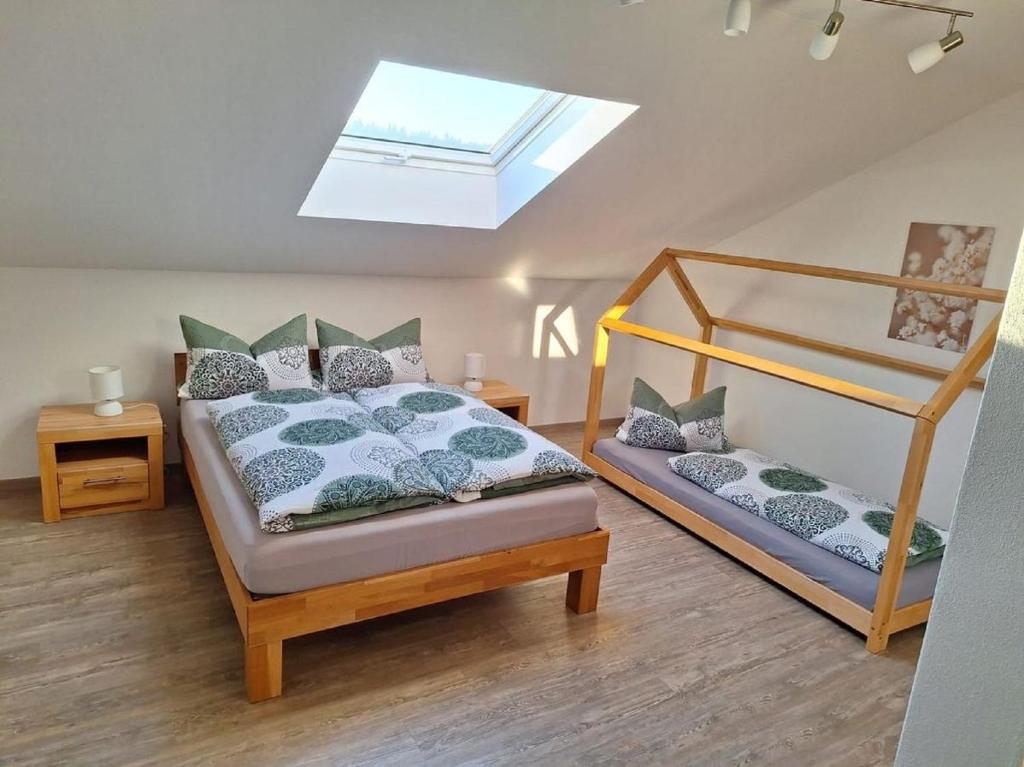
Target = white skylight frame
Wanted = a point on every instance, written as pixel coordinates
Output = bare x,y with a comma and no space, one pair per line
482,177
548,106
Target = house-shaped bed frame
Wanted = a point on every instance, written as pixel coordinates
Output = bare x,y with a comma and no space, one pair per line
885,618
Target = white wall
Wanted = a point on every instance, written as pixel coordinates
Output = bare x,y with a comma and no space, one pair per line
967,704
969,173
61,321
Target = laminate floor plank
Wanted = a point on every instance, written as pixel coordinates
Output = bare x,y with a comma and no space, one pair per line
118,646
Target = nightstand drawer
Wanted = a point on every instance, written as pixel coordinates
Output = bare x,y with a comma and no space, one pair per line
102,481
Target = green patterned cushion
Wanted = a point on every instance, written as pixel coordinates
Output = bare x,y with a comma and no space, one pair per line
695,425
222,365
351,362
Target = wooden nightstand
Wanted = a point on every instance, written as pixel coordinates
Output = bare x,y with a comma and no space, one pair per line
91,465
507,399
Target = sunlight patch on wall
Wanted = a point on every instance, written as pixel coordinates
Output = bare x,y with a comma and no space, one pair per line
518,283
554,335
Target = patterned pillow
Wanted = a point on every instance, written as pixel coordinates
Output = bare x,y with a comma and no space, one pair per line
351,362
222,365
695,425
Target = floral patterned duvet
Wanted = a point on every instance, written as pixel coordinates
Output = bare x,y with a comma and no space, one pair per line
308,458
847,523
470,448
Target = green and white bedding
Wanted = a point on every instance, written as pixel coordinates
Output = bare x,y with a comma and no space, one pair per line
222,365
308,459
840,520
690,426
349,361
471,449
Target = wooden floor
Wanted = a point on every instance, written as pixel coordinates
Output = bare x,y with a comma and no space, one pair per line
118,646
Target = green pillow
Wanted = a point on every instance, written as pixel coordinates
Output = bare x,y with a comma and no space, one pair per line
350,362
222,365
697,425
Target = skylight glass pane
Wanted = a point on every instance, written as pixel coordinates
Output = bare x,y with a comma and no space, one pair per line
413,105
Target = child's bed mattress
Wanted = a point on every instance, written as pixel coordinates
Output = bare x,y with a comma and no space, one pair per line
285,562
847,578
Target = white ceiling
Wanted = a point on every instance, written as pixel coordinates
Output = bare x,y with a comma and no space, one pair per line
186,134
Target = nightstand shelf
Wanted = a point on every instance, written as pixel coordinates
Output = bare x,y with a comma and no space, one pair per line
92,465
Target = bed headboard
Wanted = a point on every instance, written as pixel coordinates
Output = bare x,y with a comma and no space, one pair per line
181,366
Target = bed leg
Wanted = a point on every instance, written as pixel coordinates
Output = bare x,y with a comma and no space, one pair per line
263,671
878,640
581,594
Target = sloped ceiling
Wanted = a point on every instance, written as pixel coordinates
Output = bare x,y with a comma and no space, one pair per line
186,134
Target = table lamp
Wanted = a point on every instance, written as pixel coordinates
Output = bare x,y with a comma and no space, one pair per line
474,370
106,386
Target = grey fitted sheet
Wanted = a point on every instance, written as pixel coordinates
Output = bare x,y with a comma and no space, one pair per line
840,575
280,563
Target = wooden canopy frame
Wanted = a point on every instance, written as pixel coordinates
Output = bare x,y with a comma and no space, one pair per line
885,618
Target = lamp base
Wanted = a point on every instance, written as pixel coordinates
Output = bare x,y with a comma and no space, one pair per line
108,407
473,384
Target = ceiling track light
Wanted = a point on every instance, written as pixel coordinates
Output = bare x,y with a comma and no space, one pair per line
825,42
926,56
737,18
737,23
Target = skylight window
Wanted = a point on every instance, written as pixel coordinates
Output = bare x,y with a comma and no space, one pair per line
424,107
423,146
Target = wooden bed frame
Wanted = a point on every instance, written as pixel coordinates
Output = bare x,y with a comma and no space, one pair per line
266,622
885,619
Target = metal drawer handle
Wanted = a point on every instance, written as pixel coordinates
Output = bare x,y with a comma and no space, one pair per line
108,481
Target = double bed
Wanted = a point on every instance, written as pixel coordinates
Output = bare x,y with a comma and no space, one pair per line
287,585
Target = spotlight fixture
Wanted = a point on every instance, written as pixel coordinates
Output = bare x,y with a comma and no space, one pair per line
737,18
928,55
737,23
824,43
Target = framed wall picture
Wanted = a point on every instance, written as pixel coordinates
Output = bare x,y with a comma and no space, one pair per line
944,253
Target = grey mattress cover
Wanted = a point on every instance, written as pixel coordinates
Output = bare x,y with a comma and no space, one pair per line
279,563
851,580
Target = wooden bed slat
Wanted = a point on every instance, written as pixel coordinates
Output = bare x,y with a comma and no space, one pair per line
847,352
845,275
891,402
283,617
899,536
960,376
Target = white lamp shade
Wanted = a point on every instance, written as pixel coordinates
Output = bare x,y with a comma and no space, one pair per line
925,57
475,365
823,45
105,382
737,18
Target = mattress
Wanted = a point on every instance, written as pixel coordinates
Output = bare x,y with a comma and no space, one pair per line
851,580
281,563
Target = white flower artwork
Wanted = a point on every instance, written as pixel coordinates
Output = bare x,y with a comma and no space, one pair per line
943,253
